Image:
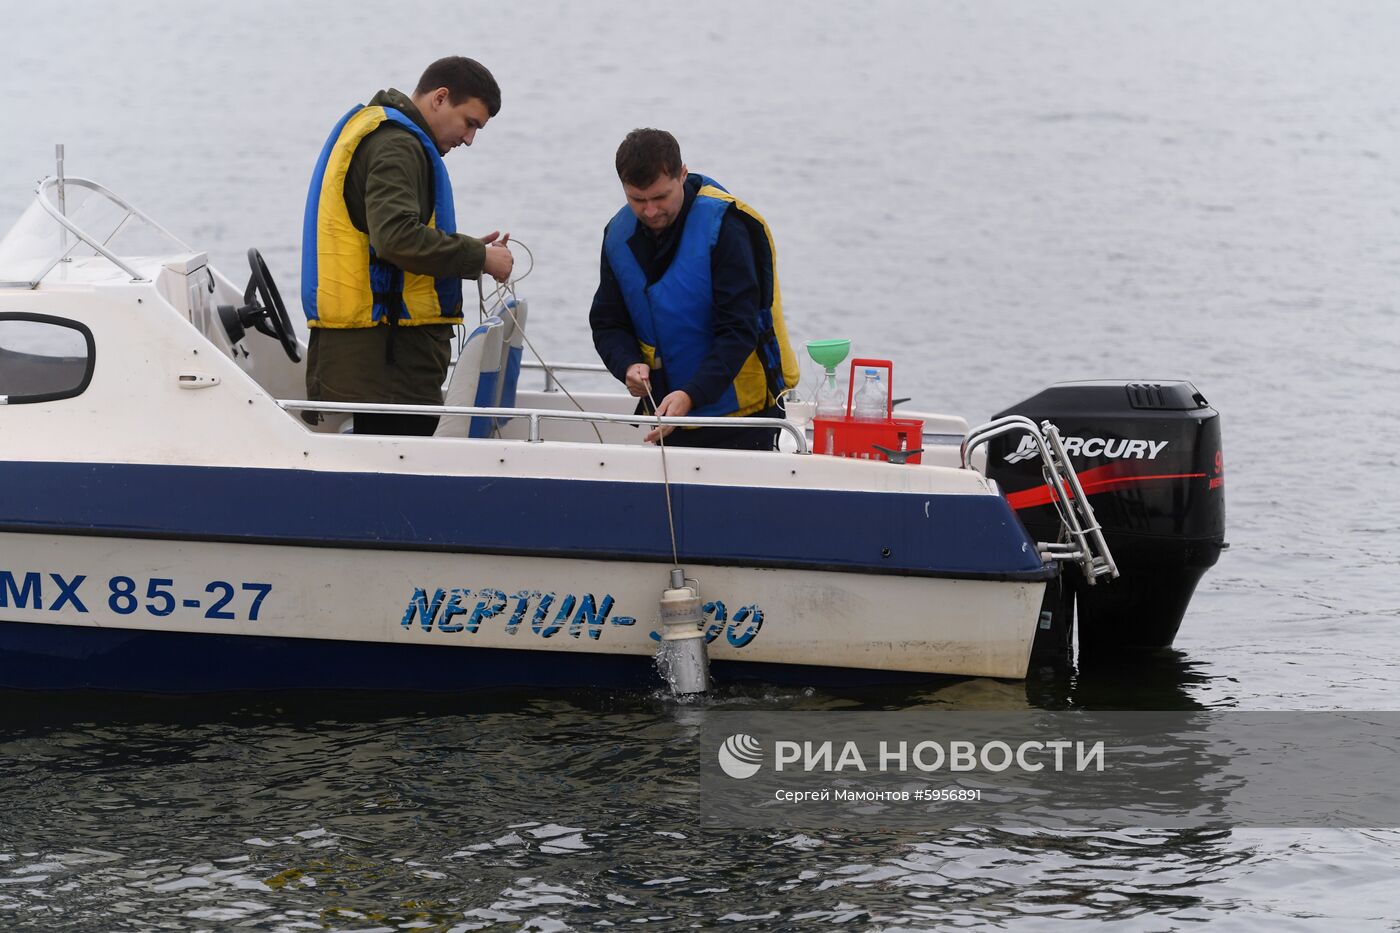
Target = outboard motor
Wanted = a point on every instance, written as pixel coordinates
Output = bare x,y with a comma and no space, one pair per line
1148,456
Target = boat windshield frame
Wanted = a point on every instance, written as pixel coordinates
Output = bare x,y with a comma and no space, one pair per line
50,196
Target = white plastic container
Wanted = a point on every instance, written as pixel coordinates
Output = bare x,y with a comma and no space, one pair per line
831,401
871,398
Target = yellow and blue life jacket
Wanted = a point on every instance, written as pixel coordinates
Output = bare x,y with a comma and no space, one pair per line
343,283
673,316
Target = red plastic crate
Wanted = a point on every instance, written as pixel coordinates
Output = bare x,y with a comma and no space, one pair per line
849,437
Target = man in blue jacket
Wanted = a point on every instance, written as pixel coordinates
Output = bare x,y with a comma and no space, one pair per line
688,312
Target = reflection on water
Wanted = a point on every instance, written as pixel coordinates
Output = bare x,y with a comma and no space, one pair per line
491,811
1162,679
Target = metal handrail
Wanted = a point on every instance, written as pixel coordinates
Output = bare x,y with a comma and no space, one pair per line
1087,546
550,383
566,367
535,415
57,211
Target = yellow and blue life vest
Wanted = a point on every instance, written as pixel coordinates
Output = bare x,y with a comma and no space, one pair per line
673,317
343,283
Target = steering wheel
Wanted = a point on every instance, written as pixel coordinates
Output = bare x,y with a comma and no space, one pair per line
263,307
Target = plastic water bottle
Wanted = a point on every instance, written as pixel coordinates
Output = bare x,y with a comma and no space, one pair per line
871,398
831,401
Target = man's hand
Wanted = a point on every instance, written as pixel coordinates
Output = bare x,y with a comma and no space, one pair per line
638,376
499,261
675,405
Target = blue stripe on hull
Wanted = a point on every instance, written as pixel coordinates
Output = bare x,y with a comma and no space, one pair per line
64,657
866,532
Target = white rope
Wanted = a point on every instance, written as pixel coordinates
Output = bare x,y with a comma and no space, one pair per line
665,476
499,295
506,290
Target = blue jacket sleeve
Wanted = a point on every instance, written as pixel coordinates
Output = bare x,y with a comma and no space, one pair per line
736,312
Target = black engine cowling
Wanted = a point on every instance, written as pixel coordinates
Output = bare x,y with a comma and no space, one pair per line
1149,459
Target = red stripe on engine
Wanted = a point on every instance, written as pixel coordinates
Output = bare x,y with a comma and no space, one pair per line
1093,481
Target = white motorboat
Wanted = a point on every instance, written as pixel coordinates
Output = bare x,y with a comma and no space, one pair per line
170,521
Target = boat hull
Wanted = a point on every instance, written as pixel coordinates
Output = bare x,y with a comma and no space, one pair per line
83,611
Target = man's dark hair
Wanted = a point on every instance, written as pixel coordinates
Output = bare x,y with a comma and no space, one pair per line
647,154
464,78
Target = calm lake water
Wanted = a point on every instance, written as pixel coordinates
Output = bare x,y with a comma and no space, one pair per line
998,195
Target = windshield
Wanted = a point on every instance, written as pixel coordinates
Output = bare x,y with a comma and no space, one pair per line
98,223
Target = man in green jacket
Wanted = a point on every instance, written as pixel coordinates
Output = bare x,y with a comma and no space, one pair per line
382,262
